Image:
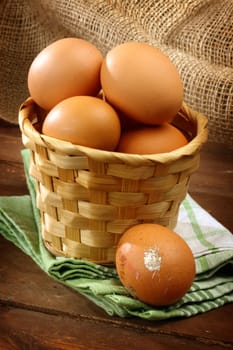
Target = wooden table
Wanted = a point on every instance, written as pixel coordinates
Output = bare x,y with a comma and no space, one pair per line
38,313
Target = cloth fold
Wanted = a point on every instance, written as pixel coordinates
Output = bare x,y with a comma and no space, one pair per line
211,243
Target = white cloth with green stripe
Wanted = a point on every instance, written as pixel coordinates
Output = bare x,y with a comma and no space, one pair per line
211,243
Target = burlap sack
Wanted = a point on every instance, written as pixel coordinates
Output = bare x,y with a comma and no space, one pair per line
195,34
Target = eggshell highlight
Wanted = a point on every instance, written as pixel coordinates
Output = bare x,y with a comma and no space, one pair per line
65,68
84,120
142,82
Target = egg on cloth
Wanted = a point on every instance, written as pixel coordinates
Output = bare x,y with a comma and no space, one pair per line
155,264
142,82
84,120
151,139
67,67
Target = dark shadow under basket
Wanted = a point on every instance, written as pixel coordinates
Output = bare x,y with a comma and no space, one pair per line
87,197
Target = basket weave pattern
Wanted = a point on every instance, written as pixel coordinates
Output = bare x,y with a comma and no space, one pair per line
88,197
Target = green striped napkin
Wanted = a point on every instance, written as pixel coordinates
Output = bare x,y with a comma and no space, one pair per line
211,243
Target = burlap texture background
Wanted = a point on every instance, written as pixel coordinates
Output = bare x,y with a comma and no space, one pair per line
195,34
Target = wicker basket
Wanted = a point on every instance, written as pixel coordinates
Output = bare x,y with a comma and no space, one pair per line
88,197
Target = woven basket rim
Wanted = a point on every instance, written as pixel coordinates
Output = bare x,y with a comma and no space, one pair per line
27,112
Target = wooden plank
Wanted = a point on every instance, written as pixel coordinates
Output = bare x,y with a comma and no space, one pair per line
39,313
12,179
24,285
212,185
27,329
215,175
22,282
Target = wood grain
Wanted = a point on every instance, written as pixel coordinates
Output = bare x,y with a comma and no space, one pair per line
39,313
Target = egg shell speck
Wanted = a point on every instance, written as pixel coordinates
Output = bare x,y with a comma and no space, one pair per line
170,256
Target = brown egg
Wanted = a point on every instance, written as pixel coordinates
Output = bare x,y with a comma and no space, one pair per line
84,120
67,67
142,82
155,264
151,139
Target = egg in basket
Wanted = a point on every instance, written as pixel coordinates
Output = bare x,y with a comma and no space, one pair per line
112,143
